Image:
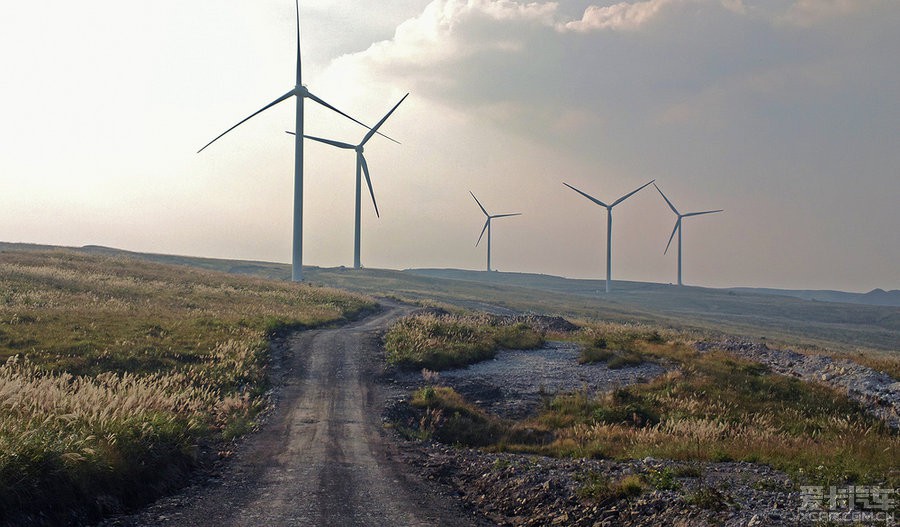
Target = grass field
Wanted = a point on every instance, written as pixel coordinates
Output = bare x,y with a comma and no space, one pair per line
195,339
873,331
117,372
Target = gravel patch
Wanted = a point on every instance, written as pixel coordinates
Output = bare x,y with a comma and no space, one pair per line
514,489
877,391
515,382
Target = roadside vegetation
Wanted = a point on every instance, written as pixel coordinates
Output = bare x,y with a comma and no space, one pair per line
116,374
618,345
711,407
445,340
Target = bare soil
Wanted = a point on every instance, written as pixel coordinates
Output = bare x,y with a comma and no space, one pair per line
323,457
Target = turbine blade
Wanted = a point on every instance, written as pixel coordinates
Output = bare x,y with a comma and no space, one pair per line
330,107
626,196
254,114
704,212
365,167
482,231
299,71
677,225
480,205
595,200
374,130
667,201
506,215
338,144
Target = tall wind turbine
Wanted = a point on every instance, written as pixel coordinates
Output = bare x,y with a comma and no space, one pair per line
361,167
679,228
487,227
300,92
609,209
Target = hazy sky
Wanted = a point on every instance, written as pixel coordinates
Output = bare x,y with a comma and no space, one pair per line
786,113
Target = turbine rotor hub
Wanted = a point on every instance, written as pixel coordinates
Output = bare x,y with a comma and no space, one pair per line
301,90
359,149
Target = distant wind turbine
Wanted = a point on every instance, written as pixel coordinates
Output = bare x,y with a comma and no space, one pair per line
678,227
300,92
609,209
361,167
487,227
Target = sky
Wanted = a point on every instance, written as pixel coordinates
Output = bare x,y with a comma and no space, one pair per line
785,113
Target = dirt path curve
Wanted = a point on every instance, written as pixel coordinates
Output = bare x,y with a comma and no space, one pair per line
321,459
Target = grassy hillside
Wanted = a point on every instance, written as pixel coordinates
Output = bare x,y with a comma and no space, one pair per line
117,373
833,325
785,320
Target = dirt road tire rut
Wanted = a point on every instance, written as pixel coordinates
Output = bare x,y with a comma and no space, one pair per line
322,458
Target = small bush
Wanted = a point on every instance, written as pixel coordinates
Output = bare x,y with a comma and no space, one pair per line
596,487
687,471
709,498
664,479
625,360
439,342
617,349
454,420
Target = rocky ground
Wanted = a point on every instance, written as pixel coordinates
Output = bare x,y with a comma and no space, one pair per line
515,382
878,392
512,489
515,489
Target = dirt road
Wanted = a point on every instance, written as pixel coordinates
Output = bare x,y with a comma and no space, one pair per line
322,458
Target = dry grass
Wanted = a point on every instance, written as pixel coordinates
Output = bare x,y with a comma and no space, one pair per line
713,408
444,341
618,345
119,370
718,408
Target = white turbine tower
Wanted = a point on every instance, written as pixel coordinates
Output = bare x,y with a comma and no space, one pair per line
679,228
361,167
300,92
609,209
487,227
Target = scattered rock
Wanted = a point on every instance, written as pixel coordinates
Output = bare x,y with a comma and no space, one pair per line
515,489
514,384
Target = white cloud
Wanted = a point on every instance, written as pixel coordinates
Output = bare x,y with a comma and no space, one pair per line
782,112
626,16
622,16
720,98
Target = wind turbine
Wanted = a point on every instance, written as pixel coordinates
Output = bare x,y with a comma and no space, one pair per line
678,227
487,227
361,167
301,93
609,209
